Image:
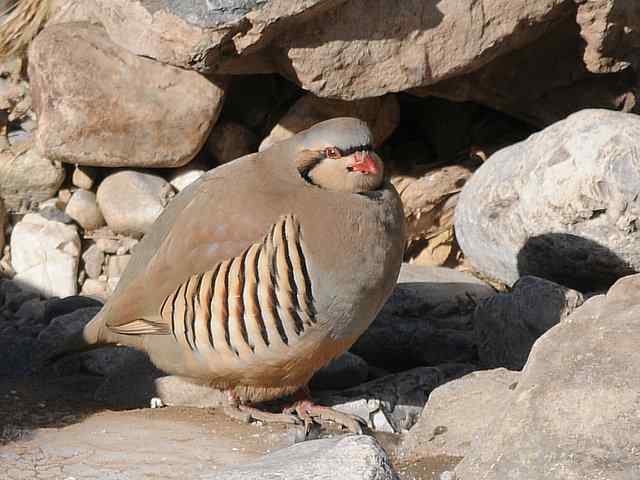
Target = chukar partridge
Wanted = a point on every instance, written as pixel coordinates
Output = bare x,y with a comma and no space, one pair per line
264,269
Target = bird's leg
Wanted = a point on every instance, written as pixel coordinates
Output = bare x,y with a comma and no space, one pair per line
309,411
246,413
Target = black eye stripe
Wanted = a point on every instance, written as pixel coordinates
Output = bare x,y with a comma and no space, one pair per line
351,150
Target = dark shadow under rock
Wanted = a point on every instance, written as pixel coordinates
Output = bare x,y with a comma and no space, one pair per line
507,325
427,321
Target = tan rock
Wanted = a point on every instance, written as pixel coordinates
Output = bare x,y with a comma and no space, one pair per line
230,140
325,46
514,83
382,114
131,201
98,104
458,413
609,28
83,208
27,178
366,48
95,288
189,34
93,259
84,177
429,197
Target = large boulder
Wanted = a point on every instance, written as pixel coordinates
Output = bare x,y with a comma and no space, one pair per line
400,45
458,414
516,84
99,104
561,205
426,322
45,255
574,413
508,324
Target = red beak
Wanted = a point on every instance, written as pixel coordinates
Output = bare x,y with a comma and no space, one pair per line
364,163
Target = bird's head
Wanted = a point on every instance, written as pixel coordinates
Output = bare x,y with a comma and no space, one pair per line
338,155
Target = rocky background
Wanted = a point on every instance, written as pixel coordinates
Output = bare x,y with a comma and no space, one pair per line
509,347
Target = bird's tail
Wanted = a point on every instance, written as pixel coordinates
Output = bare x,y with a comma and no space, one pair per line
22,22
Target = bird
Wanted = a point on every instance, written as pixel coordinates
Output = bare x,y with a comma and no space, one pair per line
263,270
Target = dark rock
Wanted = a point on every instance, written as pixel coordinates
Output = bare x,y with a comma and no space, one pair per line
345,371
393,403
507,324
427,320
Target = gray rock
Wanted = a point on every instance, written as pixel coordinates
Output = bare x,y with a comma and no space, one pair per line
33,311
352,457
52,339
211,13
507,324
347,370
83,208
93,259
57,307
131,201
392,403
529,211
99,104
427,320
458,413
17,354
54,214
103,362
45,255
28,178
574,413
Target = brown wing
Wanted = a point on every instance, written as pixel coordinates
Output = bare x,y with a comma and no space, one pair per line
257,300
216,218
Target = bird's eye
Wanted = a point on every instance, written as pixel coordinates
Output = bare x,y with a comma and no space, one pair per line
332,152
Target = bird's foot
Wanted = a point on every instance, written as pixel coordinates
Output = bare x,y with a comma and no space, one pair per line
268,417
310,412
246,413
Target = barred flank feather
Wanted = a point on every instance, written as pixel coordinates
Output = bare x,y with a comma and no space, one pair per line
22,23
